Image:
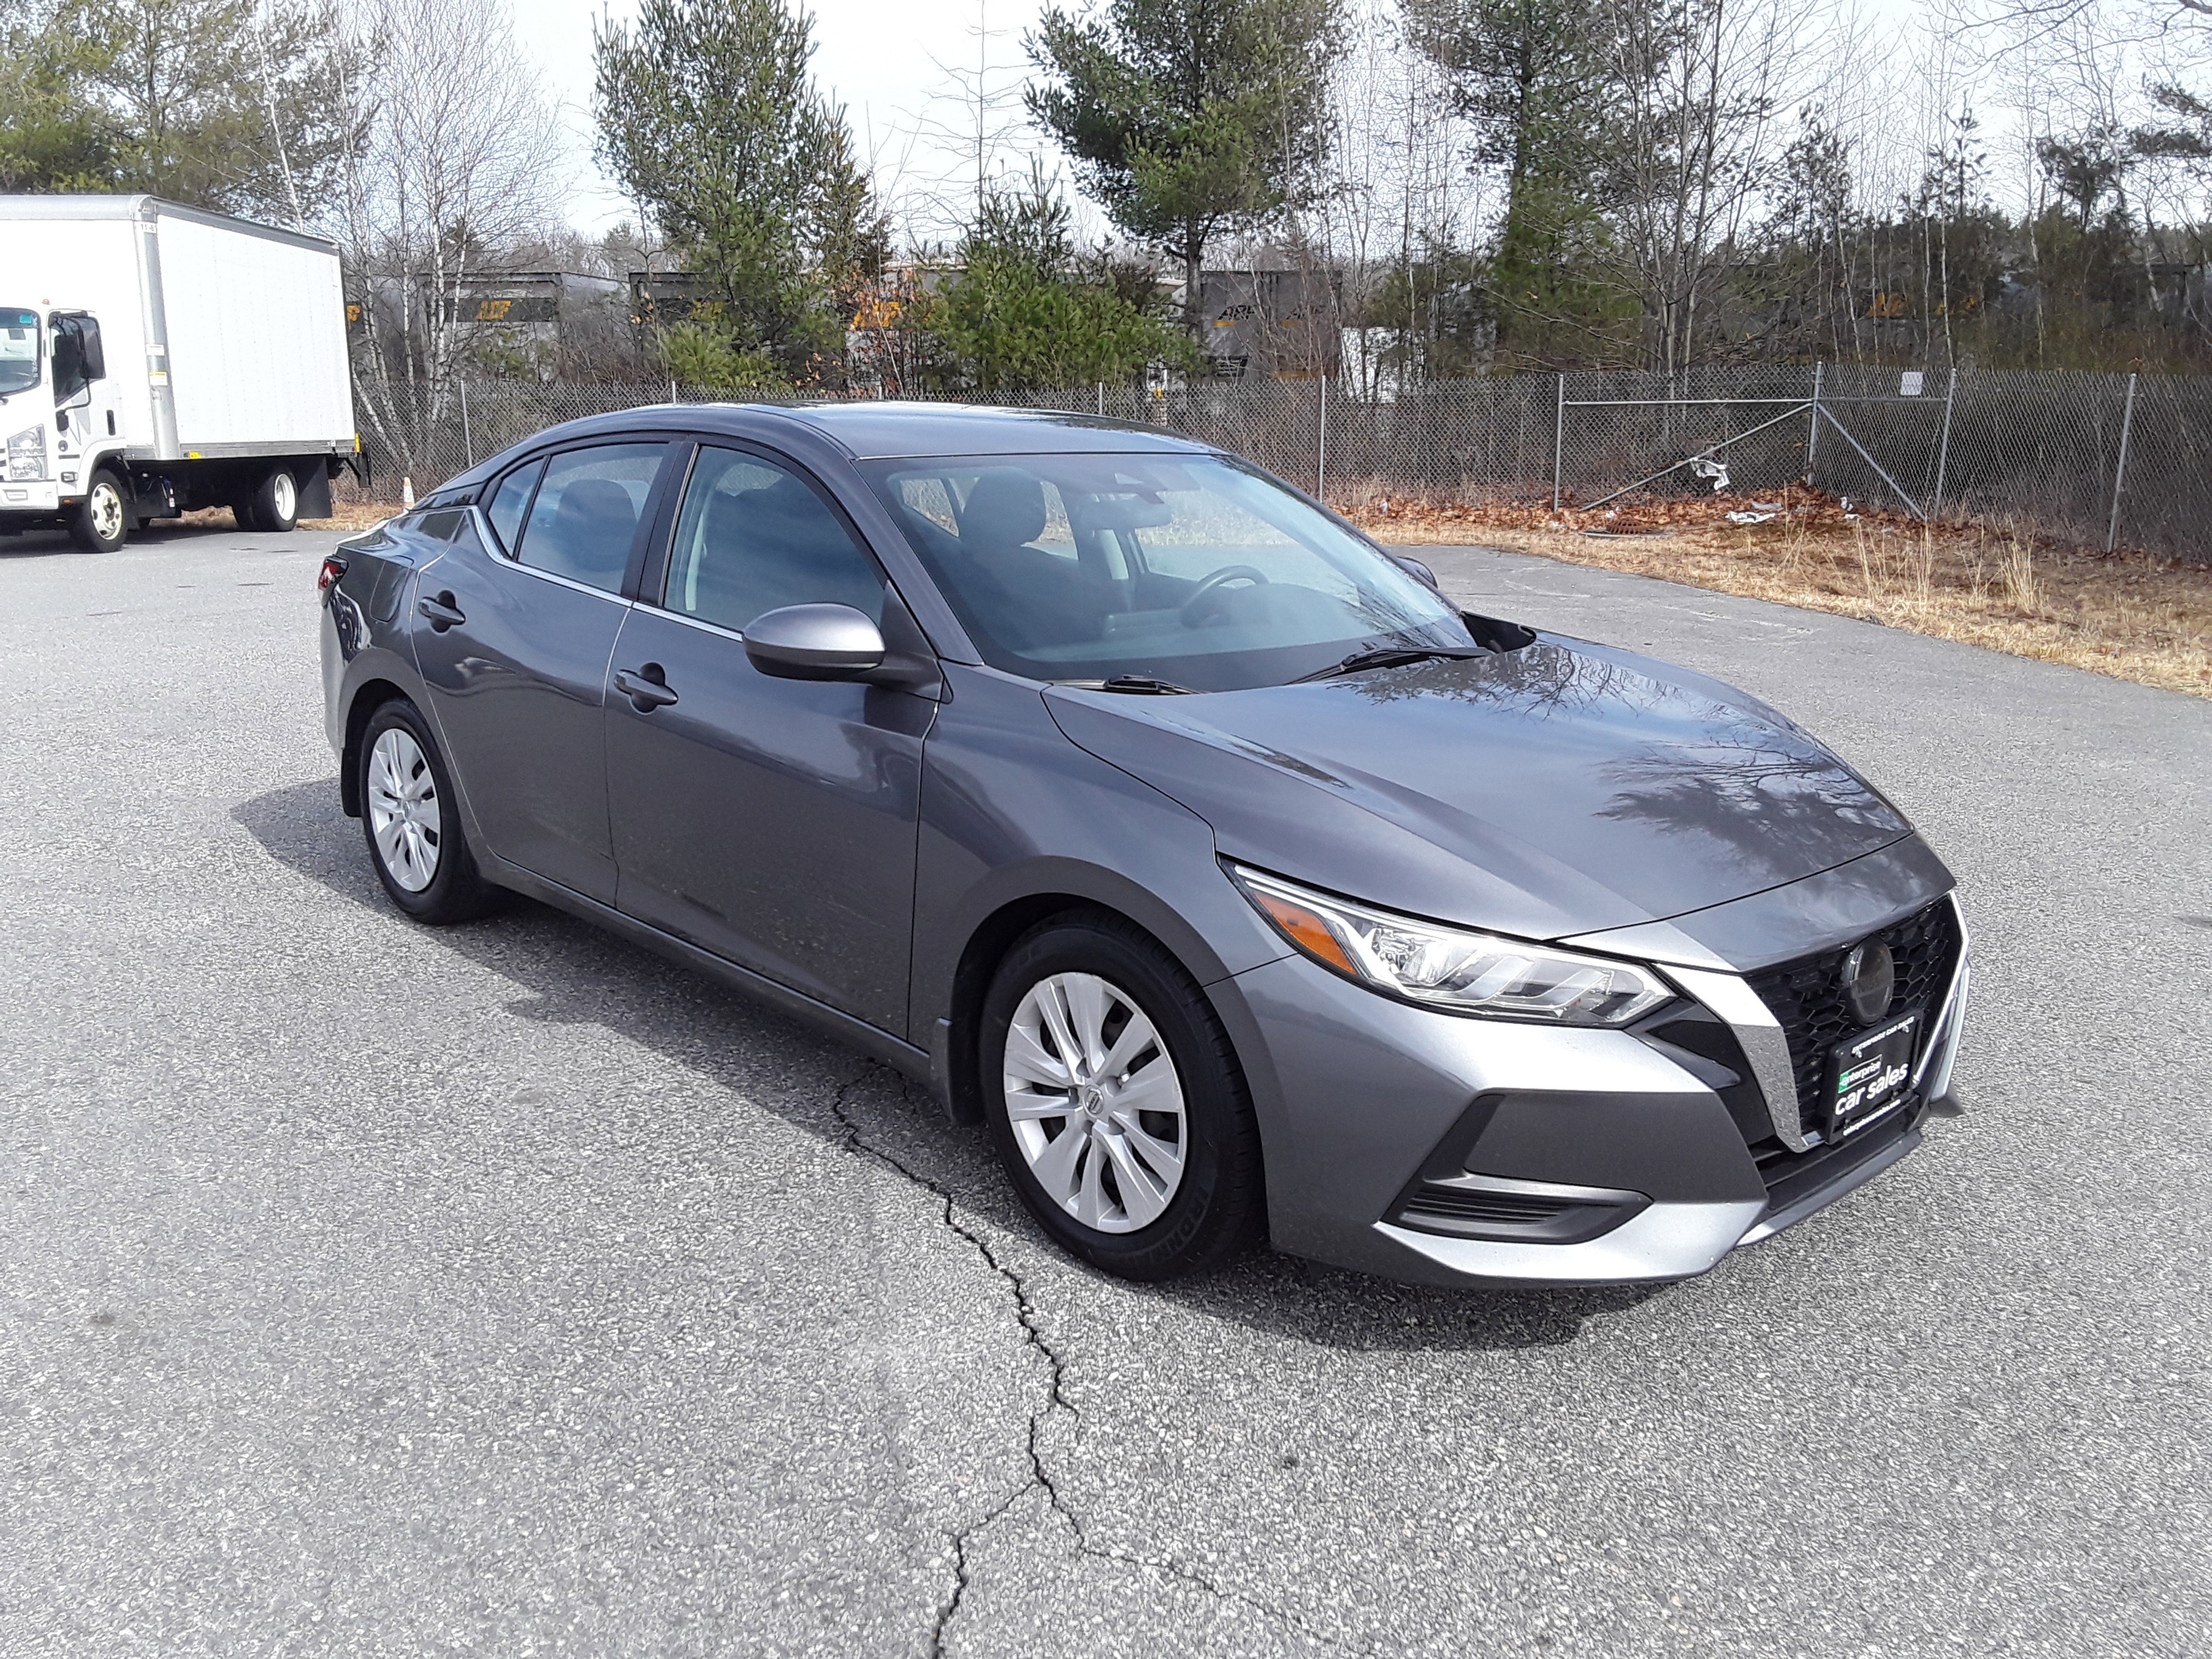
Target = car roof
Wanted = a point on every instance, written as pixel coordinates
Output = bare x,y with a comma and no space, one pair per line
873,430
862,431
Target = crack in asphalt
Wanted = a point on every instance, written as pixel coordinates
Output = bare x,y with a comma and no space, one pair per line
1056,1399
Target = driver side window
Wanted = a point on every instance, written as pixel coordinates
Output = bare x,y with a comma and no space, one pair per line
754,538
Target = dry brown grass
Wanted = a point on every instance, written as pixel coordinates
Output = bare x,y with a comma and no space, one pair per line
354,515
2128,616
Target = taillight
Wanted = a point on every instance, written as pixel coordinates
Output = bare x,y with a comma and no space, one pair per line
333,567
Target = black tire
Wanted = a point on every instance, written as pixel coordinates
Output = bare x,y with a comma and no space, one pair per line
275,504
101,521
242,510
455,891
1219,1206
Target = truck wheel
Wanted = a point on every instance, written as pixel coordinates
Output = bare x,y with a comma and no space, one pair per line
276,505
101,520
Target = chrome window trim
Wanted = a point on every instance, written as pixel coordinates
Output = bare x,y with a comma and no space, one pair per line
699,623
483,524
1759,1034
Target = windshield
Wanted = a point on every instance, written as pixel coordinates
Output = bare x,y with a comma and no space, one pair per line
18,349
1195,571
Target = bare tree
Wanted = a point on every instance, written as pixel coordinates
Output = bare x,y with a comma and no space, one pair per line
1697,84
452,165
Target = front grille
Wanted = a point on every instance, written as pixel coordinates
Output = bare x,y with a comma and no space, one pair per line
1808,997
1790,1175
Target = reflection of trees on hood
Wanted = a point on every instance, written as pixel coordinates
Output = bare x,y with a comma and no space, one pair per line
1762,790
1749,781
1536,682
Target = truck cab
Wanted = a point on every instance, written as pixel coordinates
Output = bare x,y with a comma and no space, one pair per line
58,413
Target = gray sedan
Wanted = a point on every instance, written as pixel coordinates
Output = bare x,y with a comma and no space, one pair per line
1142,810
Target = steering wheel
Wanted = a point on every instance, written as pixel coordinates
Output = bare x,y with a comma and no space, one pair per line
1198,608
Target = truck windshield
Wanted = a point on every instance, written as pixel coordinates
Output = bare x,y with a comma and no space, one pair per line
18,349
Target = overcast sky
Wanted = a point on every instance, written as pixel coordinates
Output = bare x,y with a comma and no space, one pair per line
874,55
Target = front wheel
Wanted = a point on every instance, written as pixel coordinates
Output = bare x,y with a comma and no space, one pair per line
101,520
412,822
1115,1101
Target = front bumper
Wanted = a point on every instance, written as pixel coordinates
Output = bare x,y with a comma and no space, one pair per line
1444,1150
41,495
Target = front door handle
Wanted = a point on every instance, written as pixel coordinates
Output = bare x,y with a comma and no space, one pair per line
646,688
442,610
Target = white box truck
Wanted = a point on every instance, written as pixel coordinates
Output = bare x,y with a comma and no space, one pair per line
154,359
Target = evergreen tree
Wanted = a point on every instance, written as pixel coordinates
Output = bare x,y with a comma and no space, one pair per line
1025,313
218,104
1186,118
52,137
709,117
1529,76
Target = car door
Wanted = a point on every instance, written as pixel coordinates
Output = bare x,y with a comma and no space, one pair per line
770,820
514,629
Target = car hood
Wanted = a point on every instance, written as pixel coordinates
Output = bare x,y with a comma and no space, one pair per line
1557,789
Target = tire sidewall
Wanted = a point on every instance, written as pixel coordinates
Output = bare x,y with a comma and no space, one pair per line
1210,1213
267,511
452,892
85,535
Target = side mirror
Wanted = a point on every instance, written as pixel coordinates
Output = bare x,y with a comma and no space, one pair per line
814,642
94,354
1416,569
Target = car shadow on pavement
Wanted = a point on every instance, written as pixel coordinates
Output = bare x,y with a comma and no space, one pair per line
573,973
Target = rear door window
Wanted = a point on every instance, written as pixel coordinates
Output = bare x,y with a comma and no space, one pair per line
584,519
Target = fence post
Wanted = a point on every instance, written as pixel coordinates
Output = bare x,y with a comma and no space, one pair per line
1943,449
1813,433
1321,443
1102,400
672,397
2120,471
1558,439
468,437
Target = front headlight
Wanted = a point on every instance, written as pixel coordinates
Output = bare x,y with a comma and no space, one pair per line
26,454
1454,968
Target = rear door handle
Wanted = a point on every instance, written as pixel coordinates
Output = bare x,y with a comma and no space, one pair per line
442,610
646,688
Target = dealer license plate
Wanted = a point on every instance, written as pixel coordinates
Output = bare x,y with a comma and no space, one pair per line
1870,1073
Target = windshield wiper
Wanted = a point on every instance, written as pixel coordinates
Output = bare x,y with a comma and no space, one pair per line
1144,685
1388,656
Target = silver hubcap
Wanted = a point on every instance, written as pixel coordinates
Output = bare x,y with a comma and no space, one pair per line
286,495
1095,1103
106,505
403,809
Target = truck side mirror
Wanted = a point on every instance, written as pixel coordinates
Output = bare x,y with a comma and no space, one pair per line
95,355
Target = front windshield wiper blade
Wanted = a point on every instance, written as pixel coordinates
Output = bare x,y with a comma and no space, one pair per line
1388,656
1141,685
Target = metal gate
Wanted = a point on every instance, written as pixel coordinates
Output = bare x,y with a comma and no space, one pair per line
1875,435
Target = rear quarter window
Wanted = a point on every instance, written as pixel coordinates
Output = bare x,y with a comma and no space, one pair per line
510,500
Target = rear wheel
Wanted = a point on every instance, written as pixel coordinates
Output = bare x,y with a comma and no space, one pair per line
101,519
1116,1102
274,506
409,814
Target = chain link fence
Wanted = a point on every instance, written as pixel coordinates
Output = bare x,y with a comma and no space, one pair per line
2093,460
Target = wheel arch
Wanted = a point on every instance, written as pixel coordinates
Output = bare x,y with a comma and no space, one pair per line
369,697
1058,888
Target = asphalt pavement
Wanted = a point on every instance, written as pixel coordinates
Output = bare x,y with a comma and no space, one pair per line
372,1289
